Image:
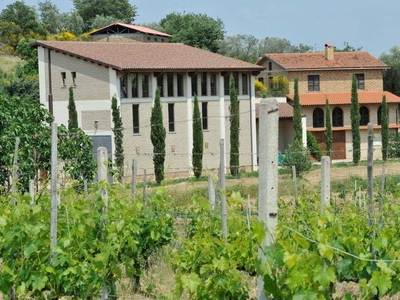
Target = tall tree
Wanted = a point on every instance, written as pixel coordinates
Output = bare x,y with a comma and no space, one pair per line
384,128
240,46
72,113
197,154
280,85
119,9
196,30
157,136
355,122
391,77
234,110
24,16
297,125
328,128
49,16
118,137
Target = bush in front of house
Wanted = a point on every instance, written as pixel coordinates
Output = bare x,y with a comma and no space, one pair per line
297,155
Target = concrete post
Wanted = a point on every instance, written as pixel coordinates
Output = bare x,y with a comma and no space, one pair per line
325,182
268,177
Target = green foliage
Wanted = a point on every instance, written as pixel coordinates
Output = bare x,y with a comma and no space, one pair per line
197,140
75,150
280,84
313,146
347,48
393,148
49,13
24,16
385,128
260,88
157,136
234,129
196,30
297,124
92,249
328,129
296,155
29,55
101,21
118,137
355,122
72,113
121,10
391,76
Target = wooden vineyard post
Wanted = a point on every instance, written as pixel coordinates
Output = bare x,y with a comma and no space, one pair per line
268,178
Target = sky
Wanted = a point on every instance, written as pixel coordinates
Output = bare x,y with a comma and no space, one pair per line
371,24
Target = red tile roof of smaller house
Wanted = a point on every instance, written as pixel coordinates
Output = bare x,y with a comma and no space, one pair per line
317,61
345,98
150,56
134,27
285,110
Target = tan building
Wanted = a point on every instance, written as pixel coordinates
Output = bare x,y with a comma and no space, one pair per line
98,71
328,75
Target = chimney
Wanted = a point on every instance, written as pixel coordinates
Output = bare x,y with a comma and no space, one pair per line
329,51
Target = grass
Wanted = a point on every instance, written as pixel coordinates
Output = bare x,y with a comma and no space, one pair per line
8,63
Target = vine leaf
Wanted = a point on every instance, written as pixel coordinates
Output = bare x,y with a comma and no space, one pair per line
324,276
190,281
381,280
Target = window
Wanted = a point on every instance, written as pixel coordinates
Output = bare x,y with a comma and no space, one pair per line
271,82
123,86
337,117
194,85
204,115
226,85
145,86
318,118
135,118
270,65
204,84
73,74
213,83
170,84
180,85
245,86
360,81
134,83
171,117
160,84
364,114
63,78
313,82
261,79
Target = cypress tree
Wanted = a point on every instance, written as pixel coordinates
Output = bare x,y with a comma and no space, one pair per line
355,122
234,110
157,135
72,113
197,153
385,128
328,129
118,137
298,130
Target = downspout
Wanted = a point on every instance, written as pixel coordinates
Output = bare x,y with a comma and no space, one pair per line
251,126
50,97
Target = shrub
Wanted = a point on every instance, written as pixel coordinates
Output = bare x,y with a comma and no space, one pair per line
393,149
296,155
313,146
260,88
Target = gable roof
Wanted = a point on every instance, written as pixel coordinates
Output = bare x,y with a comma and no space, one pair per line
317,61
318,99
121,28
149,56
285,110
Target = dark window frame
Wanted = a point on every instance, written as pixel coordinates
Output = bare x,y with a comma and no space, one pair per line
360,81
73,75
180,90
245,84
170,84
318,118
135,85
213,84
135,118
337,117
145,86
364,116
204,115
160,84
203,86
64,79
194,85
313,83
171,117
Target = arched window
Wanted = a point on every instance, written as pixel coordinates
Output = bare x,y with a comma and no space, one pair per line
318,118
337,117
364,113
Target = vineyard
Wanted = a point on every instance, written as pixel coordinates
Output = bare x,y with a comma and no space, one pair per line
112,246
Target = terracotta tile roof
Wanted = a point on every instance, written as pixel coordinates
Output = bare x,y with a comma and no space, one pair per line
149,56
285,111
134,27
317,61
345,98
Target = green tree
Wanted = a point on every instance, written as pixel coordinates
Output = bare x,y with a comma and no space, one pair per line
296,155
347,48
313,146
197,154
71,21
385,128
280,86
49,16
157,136
29,55
24,16
196,30
101,21
391,76
72,113
298,128
241,46
119,9
328,128
355,122
235,118
118,138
